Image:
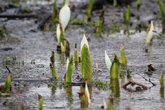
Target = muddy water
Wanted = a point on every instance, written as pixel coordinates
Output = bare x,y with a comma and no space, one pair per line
30,51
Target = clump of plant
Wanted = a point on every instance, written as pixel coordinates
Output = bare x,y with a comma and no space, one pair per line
40,102
162,9
89,10
161,80
126,14
100,22
114,3
69,69
123,58
150,30
86,65
55,13
52,65
25,10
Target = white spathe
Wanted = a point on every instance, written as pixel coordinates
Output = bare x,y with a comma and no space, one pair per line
67,62
105,104
62,48
87,93
150,33
58,32
84,41
108,61
65,15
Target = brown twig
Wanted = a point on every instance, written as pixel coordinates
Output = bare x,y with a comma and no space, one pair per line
8,69
147,79
159,33
132,82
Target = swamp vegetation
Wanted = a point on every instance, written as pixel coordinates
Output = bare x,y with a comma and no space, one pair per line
90,54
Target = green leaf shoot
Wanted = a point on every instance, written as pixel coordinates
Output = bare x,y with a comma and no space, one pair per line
76,58
52,65
40,102
89,9
114,3
115,68
86,65
70,69
162,9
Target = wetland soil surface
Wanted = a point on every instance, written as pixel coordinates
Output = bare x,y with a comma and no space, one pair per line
26,50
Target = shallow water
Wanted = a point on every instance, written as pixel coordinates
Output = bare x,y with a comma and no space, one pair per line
33,47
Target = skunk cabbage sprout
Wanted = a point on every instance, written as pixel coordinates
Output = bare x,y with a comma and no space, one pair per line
150,33
58,32
107,61
65,15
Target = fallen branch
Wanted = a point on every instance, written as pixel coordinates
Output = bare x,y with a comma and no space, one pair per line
147,79
159,33
133,83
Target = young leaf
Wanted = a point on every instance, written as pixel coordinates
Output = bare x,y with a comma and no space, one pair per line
161,80
54,16
86,65
114,3
62,37
89,9
76,58
58,32
8,83
138,3
70,69
107,61
62,48
40,102
162,8
84,41
150,33
52,65
115,68
123,58
64,16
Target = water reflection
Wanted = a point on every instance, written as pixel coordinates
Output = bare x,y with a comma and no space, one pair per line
115,87
84,103
123,71
54,90
126,30
69,95
162,92
163,26
62,58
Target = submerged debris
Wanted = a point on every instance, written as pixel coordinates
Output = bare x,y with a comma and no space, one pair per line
139,87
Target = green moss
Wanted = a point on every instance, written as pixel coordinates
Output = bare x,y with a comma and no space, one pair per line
26,10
